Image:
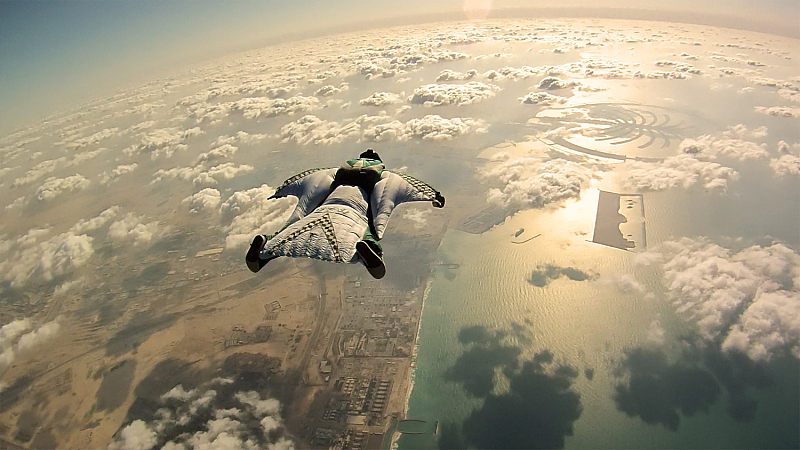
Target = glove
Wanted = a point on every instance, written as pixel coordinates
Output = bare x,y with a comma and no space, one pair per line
438,201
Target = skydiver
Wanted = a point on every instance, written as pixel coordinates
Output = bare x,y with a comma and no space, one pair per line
341,214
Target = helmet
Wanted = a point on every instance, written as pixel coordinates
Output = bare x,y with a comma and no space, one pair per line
370,154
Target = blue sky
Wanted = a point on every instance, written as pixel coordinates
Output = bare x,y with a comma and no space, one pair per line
56,55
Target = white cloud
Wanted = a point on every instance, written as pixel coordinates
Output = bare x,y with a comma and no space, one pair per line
681,170
224,171
779,111
248,213
259,107
37,337
532,183
183,173
222,152
53,187
136,436
18,203
25,340
93,139
709,147
449,75
313,130
786,164
241,137
38,171
197,420
109,177
453,94
84,156
329,90
164,141
749,299
208,198
11,331
672,75
132,227
380,99
418,216
680,67
542,98
555,83
656,332
741,131
430,127
84,226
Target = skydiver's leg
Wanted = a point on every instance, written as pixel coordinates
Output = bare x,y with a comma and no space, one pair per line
253,259
371,254
372,241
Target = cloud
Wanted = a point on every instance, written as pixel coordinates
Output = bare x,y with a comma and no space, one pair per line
542,98
84,226
779,111
259,107
136,436
749,300
682,170
679,66
628,284
329,90
38,171
248,213
434,127
453,94
213,416
543,274
532,183
84,156
449,75
418,216
380,99
741,131
92,140
132,227
226,171
554,83
672,75
109,177
25,340
242,138
164,141
313,130
208,198
786,164
183,173
53,187
709,147
222,152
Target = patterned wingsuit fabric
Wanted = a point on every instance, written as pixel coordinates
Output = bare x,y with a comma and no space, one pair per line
327,223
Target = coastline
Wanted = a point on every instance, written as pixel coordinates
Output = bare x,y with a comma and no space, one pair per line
413,367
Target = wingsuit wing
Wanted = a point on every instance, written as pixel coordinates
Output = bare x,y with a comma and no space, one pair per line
328,233
394,189
311,187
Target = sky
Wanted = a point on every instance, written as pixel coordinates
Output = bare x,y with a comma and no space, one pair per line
57,55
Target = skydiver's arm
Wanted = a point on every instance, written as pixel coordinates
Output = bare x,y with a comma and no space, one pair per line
394,189
312,179
310,187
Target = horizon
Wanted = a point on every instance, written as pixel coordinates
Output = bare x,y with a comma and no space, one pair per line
57,57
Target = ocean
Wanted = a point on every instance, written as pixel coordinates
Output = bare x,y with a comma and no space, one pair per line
588,326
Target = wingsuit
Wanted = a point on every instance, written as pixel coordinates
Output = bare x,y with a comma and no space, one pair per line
341,214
